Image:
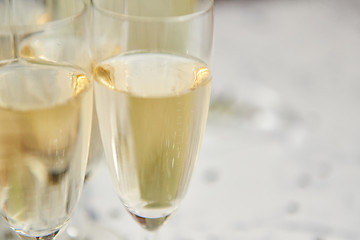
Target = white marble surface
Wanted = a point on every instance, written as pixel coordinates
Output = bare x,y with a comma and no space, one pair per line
280,157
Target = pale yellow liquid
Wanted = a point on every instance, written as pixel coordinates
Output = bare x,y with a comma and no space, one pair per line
60,48
152,112
45,120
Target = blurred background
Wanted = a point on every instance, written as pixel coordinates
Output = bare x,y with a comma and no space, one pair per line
281,154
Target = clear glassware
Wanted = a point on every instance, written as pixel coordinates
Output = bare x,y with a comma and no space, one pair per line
44,45
57,46
152,88
45,114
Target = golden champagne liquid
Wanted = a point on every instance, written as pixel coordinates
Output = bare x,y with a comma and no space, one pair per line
152,112
54,48
45,121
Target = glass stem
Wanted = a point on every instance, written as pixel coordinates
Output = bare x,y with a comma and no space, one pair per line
151,235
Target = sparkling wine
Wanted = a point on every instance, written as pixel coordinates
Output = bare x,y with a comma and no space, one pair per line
152,111
45,120
53,48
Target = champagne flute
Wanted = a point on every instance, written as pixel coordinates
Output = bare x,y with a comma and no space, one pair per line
45,118
60,46
152,88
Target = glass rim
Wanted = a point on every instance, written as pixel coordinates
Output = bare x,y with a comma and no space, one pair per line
34,26
137,18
